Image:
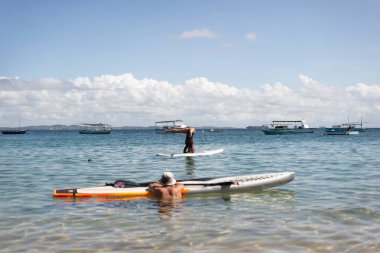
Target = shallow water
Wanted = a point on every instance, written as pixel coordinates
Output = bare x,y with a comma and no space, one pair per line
331,206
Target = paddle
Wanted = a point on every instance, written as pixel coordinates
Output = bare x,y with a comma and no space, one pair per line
210,182
200,181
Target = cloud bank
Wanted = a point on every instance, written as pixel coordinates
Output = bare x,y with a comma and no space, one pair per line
123,100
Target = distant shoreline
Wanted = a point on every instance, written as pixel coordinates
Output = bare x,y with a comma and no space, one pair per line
77,127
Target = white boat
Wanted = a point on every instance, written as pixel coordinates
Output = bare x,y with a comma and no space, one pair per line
217,130
100,128
122,188
161,126
287,127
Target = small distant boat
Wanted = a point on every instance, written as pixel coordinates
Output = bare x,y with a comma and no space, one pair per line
356,125
161,126
287,127
343,129
100,128
215,130
16,131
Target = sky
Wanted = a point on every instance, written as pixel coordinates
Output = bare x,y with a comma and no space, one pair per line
209,63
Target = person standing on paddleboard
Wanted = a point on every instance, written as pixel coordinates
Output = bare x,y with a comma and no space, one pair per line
189,142
166,188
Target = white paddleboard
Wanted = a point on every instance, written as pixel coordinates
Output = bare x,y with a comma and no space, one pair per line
192,186
204,153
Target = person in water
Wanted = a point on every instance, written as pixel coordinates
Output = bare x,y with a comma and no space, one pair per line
167,188
189,142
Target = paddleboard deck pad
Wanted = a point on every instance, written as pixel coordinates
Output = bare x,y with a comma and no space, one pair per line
193,186
203,153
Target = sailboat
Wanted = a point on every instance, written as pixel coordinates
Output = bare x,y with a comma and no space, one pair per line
16,130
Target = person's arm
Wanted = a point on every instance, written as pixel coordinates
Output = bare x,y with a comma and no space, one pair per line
154,186
179,187
176,130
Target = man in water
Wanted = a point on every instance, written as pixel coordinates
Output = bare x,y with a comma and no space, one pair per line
189,142
167,188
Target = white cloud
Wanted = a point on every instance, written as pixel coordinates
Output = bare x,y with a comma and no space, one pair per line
365,91
250,36
126,100
197,33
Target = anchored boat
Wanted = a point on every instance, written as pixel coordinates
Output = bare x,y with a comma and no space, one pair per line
287,127
100,128
356,125
344,129
122,188
161,126
16,131
351,127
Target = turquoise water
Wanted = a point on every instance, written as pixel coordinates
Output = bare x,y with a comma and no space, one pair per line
333,205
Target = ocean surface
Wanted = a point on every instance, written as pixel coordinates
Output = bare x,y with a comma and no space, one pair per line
333,204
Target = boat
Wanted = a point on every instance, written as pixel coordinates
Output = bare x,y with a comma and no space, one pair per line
287,127
161,126
15,131
217,130
355,126
343,129
358,126
122,188
100,128
18,130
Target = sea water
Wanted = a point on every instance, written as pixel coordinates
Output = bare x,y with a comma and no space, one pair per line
332,205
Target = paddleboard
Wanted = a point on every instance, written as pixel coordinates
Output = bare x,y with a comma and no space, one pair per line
193,186
204,153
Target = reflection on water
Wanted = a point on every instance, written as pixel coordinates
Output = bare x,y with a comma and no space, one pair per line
166,208
190,166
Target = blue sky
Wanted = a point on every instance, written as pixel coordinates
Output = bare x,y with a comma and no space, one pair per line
242,44
334,41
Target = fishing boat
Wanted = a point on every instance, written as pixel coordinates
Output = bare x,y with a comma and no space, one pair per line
343,129
161,126
358,126
287,127
100,128
123,188
354,125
